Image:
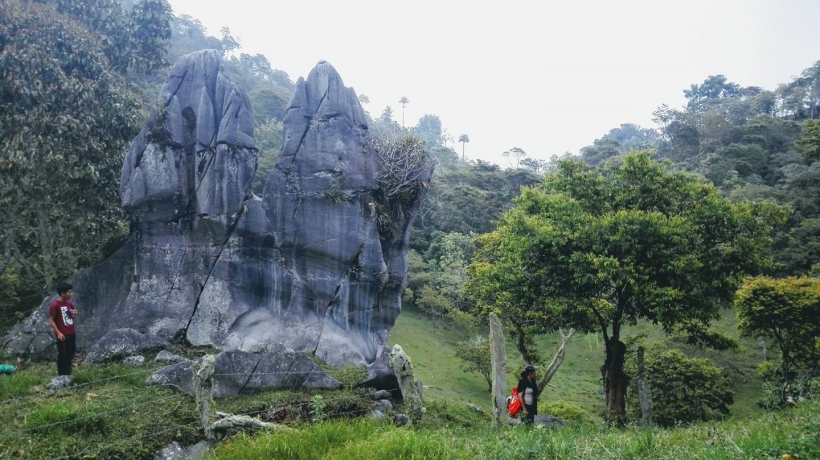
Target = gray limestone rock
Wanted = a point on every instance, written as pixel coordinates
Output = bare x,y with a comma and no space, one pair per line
382,405
238,372
475,408
381,394
401,419
376,415
135,361
166,356
60,382
174,451
122,343
306,266
549,421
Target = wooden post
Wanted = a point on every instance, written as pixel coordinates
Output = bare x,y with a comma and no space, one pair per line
643,392
499,373
202,391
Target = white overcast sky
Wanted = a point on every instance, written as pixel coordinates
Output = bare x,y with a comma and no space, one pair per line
546,76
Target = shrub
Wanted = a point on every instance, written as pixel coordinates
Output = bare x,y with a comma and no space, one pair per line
567,412
684,390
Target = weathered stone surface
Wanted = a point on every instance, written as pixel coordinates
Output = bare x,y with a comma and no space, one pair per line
475,408
60,382
166,356
135,361
382,405
174,451
238,372
121,343
548,421
210,264
376,415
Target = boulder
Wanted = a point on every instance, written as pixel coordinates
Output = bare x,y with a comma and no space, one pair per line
208,263
121,343
238,372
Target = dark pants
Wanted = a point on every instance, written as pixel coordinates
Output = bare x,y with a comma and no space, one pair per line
65,353
532,411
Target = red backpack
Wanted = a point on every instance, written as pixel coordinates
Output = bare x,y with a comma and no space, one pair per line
514,405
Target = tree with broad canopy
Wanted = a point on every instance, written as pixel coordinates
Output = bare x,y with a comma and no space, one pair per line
601,249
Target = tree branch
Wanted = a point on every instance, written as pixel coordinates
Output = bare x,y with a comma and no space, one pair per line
556,360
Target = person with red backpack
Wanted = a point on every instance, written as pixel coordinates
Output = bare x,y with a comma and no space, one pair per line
528,392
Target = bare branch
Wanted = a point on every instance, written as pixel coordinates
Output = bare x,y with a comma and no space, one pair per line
556,360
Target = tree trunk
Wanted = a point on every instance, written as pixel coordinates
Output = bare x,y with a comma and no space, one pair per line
556,360
521,345
615,383
46,245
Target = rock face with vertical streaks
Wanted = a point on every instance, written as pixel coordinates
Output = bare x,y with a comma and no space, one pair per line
209,263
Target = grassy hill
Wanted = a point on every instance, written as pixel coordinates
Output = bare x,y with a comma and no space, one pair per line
110,413
578,380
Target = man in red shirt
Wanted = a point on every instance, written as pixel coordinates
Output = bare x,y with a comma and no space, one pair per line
61,316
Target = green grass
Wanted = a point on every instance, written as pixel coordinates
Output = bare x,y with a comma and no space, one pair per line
578,381
767,436
110,413
102,416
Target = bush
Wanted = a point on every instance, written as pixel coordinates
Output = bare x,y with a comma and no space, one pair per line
684,390
567,412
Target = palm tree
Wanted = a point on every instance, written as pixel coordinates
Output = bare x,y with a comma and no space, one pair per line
403,101
463,139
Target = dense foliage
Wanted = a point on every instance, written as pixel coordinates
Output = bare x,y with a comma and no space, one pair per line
600,249
65,120
787,311
683,389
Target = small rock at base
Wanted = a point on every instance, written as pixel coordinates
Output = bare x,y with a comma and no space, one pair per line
382,405
401,419
167,357
381,394
60,382
136,360
376,415
475,408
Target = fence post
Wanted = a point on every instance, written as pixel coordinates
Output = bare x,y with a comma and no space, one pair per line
499,372
202,391
644,393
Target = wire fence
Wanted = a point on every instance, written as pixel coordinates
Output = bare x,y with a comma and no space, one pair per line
70,388
297,406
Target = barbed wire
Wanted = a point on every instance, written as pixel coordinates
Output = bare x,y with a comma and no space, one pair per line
93,415
126,441
70,388
277,408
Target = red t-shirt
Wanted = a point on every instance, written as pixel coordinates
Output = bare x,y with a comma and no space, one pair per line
60,310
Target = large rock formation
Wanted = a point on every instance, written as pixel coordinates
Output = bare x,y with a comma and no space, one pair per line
209,263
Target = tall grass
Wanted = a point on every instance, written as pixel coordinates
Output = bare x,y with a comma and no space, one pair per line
767,436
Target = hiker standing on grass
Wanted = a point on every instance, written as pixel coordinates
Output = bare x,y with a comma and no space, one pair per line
61,316
528,390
